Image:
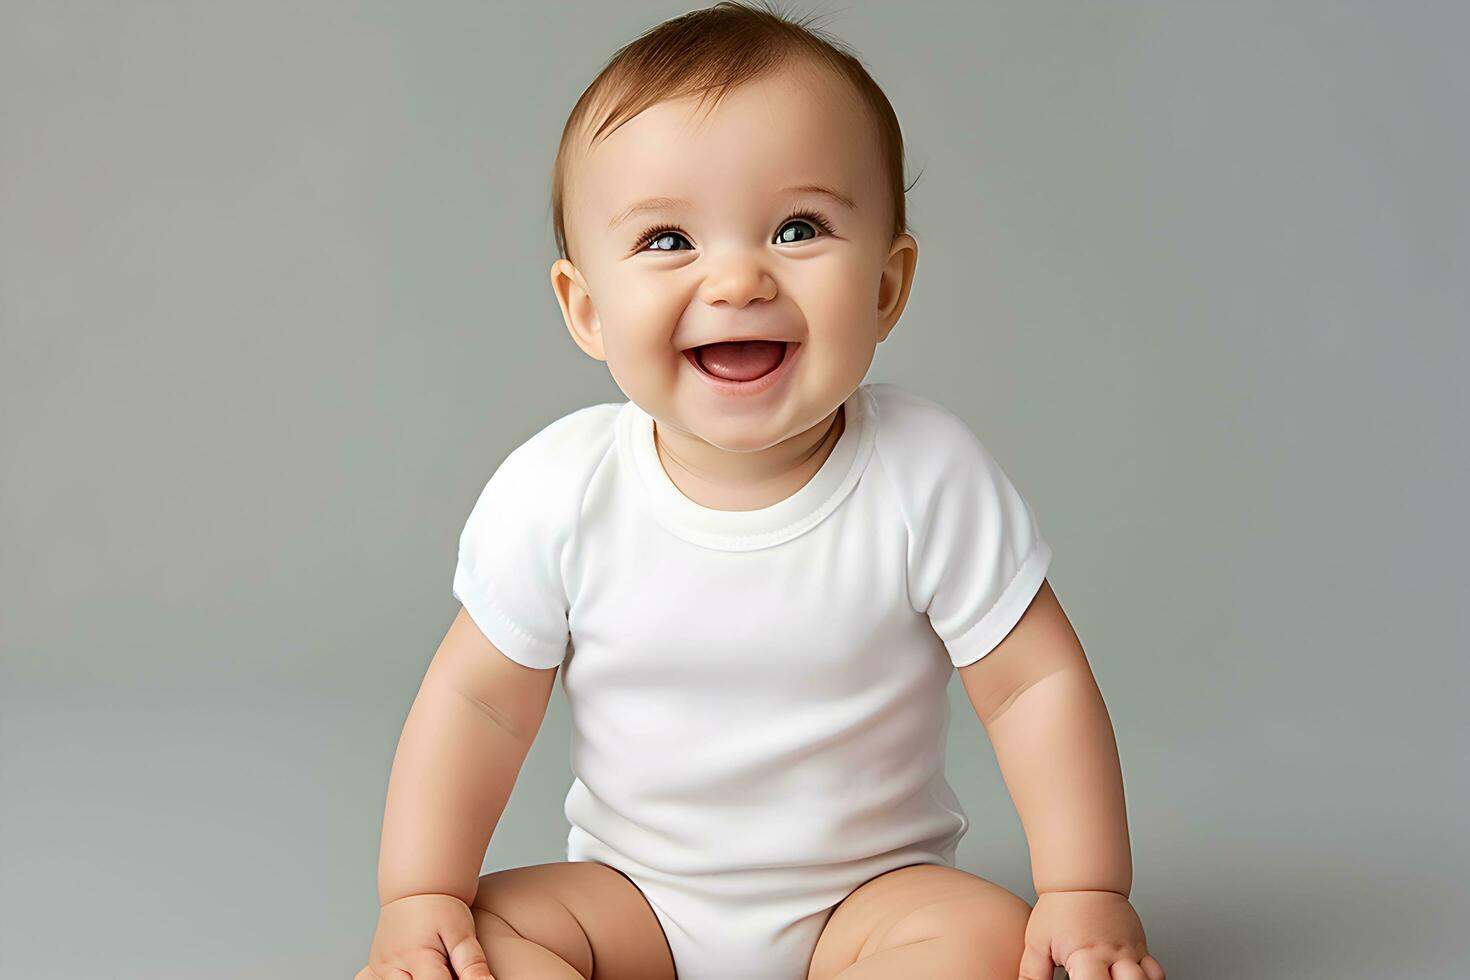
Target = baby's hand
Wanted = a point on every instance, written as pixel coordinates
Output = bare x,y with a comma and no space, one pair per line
1086,933
413,933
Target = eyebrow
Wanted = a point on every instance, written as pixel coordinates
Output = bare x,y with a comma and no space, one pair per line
671,203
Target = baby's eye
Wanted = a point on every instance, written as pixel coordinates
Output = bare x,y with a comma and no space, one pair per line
792,223
650,240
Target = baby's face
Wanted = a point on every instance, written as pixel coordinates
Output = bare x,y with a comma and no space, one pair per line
733,263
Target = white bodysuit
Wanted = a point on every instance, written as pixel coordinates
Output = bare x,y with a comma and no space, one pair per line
758,698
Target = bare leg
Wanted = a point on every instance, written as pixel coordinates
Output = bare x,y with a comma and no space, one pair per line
951,957
512,956
923,920
569,920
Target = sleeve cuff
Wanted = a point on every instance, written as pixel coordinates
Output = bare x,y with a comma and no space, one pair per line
507,637
986,635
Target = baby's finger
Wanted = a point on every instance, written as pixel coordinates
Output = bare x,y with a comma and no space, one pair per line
366,973
1086,966
1127,969
1152,967
428,964
1036,964
386,972
467,956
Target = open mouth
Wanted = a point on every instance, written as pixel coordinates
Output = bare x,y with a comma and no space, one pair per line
750,369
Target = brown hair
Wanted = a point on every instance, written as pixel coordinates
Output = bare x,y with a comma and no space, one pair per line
710,52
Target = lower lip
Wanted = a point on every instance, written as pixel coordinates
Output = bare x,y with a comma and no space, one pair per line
764,383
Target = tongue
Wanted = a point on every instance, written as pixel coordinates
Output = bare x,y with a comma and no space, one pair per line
740,360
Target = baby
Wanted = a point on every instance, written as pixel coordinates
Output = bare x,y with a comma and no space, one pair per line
757,574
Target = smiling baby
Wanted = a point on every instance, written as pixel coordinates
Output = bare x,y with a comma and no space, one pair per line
756,576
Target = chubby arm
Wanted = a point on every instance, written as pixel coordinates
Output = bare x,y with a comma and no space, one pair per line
1040,705
463,745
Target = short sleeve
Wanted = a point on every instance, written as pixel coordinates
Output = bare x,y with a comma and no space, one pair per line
977,557
508,575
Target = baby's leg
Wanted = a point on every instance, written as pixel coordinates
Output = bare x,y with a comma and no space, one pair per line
923,920
556,920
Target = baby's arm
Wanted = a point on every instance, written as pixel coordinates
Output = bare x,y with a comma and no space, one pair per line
1036,696
463,745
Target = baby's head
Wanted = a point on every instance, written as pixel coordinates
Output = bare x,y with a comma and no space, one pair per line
733,116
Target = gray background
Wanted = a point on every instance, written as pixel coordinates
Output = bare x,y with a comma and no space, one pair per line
274,299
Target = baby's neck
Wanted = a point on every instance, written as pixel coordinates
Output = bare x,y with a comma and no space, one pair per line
757,495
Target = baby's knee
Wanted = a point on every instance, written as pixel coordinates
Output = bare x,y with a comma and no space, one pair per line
513,955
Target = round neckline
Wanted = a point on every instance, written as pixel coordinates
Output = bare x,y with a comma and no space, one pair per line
747,530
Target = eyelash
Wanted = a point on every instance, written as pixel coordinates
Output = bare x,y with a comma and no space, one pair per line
658,231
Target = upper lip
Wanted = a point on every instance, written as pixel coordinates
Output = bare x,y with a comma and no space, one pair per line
731,340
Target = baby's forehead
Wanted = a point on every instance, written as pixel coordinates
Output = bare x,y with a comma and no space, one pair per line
792,101
744,136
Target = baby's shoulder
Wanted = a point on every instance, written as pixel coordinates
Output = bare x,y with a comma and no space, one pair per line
550,470
916,434
934,461
570,440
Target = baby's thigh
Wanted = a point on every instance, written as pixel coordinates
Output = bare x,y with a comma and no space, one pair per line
584,912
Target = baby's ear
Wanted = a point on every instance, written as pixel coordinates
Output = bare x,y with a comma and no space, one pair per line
577,309
897,280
